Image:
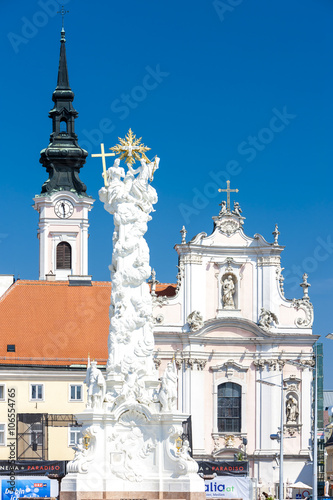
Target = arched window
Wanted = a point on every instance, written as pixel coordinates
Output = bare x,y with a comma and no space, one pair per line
64,255
63,126
229,405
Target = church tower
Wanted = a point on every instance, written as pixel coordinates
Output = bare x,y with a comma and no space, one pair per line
63,204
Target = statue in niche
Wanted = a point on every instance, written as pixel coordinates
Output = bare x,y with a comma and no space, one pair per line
292,411
133,388
96,386
228,287
168,391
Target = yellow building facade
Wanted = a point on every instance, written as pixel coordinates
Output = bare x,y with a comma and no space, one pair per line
37,411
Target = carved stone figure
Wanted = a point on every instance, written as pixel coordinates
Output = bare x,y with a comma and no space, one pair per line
79,462
223,207
134,446
228,287
133,388
229,441
292,411
130,199
168,391
96,386
266,319
141,190
195,321
237,209
186,462
80,450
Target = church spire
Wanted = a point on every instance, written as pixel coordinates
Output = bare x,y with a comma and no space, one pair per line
63,158
63,82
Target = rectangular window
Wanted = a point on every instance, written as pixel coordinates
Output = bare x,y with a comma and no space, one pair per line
75,392
2,434
37,392
74,435
2,392
36,436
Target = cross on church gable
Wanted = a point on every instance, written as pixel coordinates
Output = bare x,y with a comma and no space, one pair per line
228,191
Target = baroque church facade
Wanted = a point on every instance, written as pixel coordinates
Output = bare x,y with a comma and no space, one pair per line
225,323
235,337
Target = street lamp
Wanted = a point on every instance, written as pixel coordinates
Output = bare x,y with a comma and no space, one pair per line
274,436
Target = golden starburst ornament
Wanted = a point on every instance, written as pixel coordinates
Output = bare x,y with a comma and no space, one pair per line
130,148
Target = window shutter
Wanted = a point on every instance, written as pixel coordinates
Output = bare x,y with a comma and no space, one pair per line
64,255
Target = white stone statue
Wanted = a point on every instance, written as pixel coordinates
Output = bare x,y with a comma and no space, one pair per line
130,198
292,411
266,319
168,390
96,386
195,321
80,450
228,287
144,193
80,461
223,210
237,209
133,388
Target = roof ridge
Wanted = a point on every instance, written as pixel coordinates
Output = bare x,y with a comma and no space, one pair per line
45,358
55,283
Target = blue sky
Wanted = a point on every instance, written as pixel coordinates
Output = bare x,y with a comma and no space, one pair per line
202,83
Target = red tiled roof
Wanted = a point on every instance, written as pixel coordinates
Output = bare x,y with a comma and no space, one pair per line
52,323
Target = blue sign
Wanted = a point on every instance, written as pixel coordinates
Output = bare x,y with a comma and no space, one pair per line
298,496
31,488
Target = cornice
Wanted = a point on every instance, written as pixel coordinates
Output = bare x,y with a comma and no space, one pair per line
37,374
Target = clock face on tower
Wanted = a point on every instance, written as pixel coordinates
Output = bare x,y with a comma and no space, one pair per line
64,209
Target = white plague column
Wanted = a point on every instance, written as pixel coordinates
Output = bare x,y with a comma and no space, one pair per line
131,444
130,198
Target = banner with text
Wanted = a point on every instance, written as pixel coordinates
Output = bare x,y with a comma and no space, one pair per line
228,487
225,468
12,490
36,467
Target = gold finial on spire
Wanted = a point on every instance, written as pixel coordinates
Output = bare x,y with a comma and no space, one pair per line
130,148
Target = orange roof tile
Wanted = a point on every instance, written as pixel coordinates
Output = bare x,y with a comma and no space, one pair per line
52,323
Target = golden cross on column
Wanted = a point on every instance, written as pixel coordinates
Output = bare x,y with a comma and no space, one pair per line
228,191
103,155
